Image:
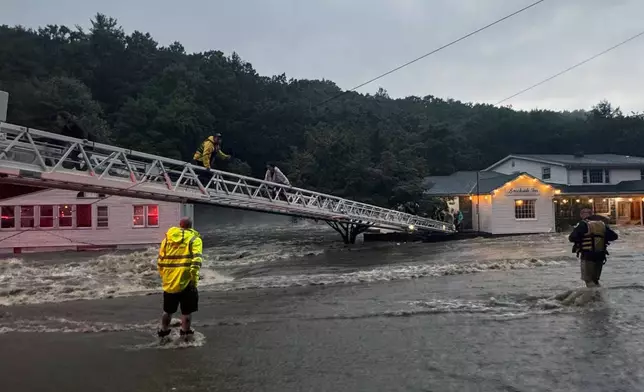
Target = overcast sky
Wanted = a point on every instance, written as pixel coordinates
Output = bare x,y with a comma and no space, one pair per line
351,41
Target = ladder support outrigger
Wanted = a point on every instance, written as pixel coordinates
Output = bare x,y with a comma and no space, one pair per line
349,231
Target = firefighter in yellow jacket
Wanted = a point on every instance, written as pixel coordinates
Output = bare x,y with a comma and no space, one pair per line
179,264
204,153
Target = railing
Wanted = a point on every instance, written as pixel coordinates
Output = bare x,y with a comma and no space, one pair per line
60,161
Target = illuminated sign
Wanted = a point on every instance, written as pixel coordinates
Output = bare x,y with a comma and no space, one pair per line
523,191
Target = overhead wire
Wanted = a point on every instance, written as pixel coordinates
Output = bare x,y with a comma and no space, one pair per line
572,67
432,52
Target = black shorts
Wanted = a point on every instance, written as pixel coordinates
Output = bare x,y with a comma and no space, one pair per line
188,299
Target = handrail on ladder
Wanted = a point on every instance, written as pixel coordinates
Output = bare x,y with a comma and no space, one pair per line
317,205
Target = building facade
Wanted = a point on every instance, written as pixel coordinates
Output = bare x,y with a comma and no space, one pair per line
612,185
497,203
52,219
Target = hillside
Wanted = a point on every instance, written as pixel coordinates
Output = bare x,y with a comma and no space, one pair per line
132,92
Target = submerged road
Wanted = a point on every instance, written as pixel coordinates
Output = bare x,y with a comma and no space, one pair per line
289,309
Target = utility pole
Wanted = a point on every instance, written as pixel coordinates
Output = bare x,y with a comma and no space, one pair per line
478,200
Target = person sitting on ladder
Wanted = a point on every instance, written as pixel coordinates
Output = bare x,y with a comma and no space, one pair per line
204,154
274,174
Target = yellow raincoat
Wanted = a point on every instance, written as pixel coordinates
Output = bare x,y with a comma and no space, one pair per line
179,259
205,150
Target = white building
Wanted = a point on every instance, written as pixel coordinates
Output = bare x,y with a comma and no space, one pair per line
41,220
499,203
612,185
595,169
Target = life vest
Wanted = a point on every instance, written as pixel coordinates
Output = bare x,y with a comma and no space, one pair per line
179,259
594,240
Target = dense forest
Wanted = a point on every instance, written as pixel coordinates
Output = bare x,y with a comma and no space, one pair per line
130,91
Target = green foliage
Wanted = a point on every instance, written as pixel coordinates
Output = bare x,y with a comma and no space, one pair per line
132,92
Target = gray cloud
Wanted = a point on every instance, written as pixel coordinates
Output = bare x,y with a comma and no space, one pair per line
350,42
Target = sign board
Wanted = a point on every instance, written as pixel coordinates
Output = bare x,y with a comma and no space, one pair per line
4,103
523,191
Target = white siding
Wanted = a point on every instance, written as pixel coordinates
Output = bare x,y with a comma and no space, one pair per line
119,231
619,175
504,221
558,174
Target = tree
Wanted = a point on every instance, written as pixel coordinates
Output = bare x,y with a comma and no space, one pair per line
129,90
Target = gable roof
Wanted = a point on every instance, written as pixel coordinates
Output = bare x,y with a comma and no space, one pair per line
584,161
463,183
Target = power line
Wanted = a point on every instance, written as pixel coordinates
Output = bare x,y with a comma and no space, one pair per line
573,67
432,52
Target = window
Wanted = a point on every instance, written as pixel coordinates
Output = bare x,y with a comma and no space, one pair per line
27,218
601,206
138,218
65,216
146,216
153,215
595,176
46,216
641,174
84,215
102,217
545,173
524,209
8,217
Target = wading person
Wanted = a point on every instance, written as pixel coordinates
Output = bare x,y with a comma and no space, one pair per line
591,238
179,264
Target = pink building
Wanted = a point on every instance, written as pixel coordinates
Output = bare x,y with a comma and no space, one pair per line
44,220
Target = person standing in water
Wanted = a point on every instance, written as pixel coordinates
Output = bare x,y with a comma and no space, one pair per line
179,264
591,238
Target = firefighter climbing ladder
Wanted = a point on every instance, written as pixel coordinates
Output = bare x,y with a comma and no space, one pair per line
39,158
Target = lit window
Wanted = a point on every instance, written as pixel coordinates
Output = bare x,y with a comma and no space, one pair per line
153,215
138,218
524,209
601,206
146,216
65,216
101,216
545,173
27,217
84,215
46,216
8,217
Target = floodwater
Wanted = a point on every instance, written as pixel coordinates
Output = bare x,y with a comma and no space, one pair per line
286,307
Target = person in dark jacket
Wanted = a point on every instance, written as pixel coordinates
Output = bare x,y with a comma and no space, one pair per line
591,238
